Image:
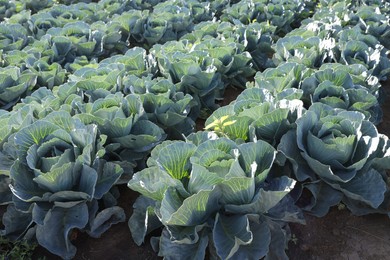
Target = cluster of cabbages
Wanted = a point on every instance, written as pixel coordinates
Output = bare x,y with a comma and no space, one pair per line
88,89
317,107
95,93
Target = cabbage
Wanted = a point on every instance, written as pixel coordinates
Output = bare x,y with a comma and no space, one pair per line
335,153
212,187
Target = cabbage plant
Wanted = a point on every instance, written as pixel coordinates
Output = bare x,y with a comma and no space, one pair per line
374,59
48,75
84,39
136,62
336,89
130,24
280,13
255,38
311,51
88,13
35,106
13,37
7,9
168,21
211,192
14,84
57,178
172,114
41,22
288,75
112,73
373,21
230,59
315,44
144,5
193,71
122,119
164,104
339,156
257,115
172,19
337,85
90,78
360,76
36,6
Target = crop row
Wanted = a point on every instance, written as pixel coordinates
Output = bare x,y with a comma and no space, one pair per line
94,95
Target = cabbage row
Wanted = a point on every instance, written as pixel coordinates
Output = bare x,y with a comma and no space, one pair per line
94,94
318,107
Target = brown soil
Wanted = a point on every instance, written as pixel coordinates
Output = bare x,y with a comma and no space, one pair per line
341,236
338,235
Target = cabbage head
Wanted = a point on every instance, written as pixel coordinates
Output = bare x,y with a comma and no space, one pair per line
339,156
57,179
130,134
212,192
14,84
257,115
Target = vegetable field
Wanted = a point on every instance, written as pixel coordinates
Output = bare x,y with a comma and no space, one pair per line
195,129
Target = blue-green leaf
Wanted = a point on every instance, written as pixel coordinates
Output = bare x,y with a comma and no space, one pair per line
174,159
104,220
230,233
174,250
152,182
57,226
238,190
143,220
190,211
58,179
202,179
257,158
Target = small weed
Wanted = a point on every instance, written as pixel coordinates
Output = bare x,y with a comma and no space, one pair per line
219,124
15,249
294,239
340,206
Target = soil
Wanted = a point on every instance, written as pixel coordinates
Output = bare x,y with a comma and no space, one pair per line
338,235
342,236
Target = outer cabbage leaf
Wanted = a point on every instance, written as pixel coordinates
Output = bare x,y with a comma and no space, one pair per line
143,220
241,236
57,226
196,250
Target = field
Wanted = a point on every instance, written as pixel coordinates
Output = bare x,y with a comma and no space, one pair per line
194,129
